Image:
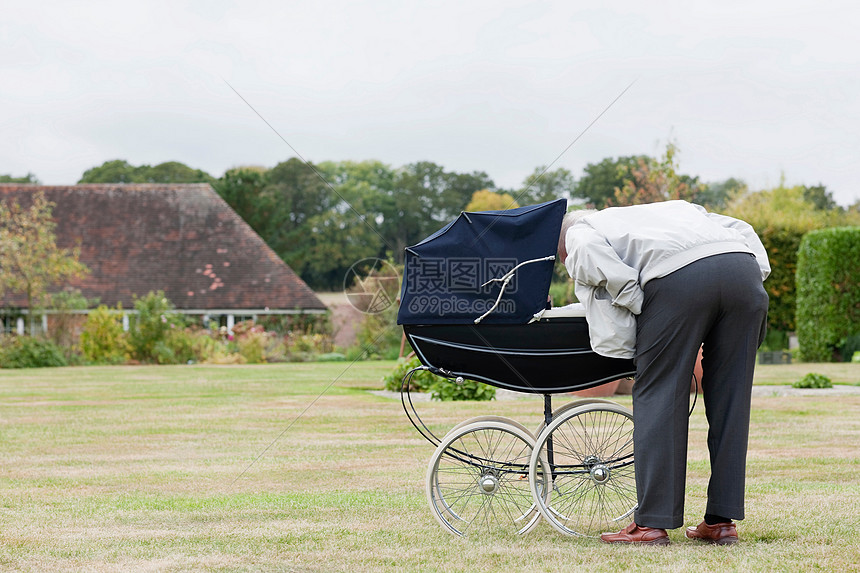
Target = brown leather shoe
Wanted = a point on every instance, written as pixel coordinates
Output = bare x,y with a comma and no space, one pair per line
718,534
637,534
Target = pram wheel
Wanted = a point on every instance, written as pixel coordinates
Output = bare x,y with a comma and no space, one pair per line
590,448
569,406
477,479
491,418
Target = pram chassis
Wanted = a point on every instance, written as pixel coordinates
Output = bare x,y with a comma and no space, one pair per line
579,462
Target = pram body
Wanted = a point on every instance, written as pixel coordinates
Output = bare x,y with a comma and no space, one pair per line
548,356
473,306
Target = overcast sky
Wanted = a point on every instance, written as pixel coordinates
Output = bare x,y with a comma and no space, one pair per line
746,89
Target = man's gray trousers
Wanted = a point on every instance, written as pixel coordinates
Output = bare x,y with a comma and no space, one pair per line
718,302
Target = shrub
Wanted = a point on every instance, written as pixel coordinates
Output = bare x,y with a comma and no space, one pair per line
225,357
177,347
562,292
66,324
300,342
294,337
813,380
103,340
339,357
828,300
440,388
162,353
449,390
302,347
421,381
203,346
253,344
379,335
284,324
30,352
154,319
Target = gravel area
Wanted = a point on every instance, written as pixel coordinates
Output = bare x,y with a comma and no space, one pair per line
837,390
758,391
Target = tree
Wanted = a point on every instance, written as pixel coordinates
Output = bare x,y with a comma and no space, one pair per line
173,172
30,261
542,186
716,196
121,171
422,198
115,171
457,193
335,241
320,219
321,226
243,190
406,203
315,217
656,180
597,186
28,178
486,200
820,197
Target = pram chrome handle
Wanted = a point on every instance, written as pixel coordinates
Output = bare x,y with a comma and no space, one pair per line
505,279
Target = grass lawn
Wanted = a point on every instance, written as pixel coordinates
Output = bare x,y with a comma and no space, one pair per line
297,467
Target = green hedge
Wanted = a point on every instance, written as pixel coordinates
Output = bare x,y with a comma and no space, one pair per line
828,298
781,243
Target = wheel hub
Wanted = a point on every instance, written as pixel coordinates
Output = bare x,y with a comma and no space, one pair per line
488,484
600,474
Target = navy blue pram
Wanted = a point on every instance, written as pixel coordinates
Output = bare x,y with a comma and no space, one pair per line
474,306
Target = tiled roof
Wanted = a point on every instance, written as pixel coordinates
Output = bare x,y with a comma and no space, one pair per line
182,239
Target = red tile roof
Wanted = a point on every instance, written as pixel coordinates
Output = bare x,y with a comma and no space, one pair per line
182,239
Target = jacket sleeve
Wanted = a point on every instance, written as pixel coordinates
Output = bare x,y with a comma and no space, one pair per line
611,329
750,238
592,261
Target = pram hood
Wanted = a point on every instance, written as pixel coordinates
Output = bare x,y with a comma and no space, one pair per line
445,275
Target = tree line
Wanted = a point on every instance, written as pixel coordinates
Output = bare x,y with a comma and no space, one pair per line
321,218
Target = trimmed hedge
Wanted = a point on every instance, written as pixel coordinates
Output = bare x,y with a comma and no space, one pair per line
828,296
782,243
